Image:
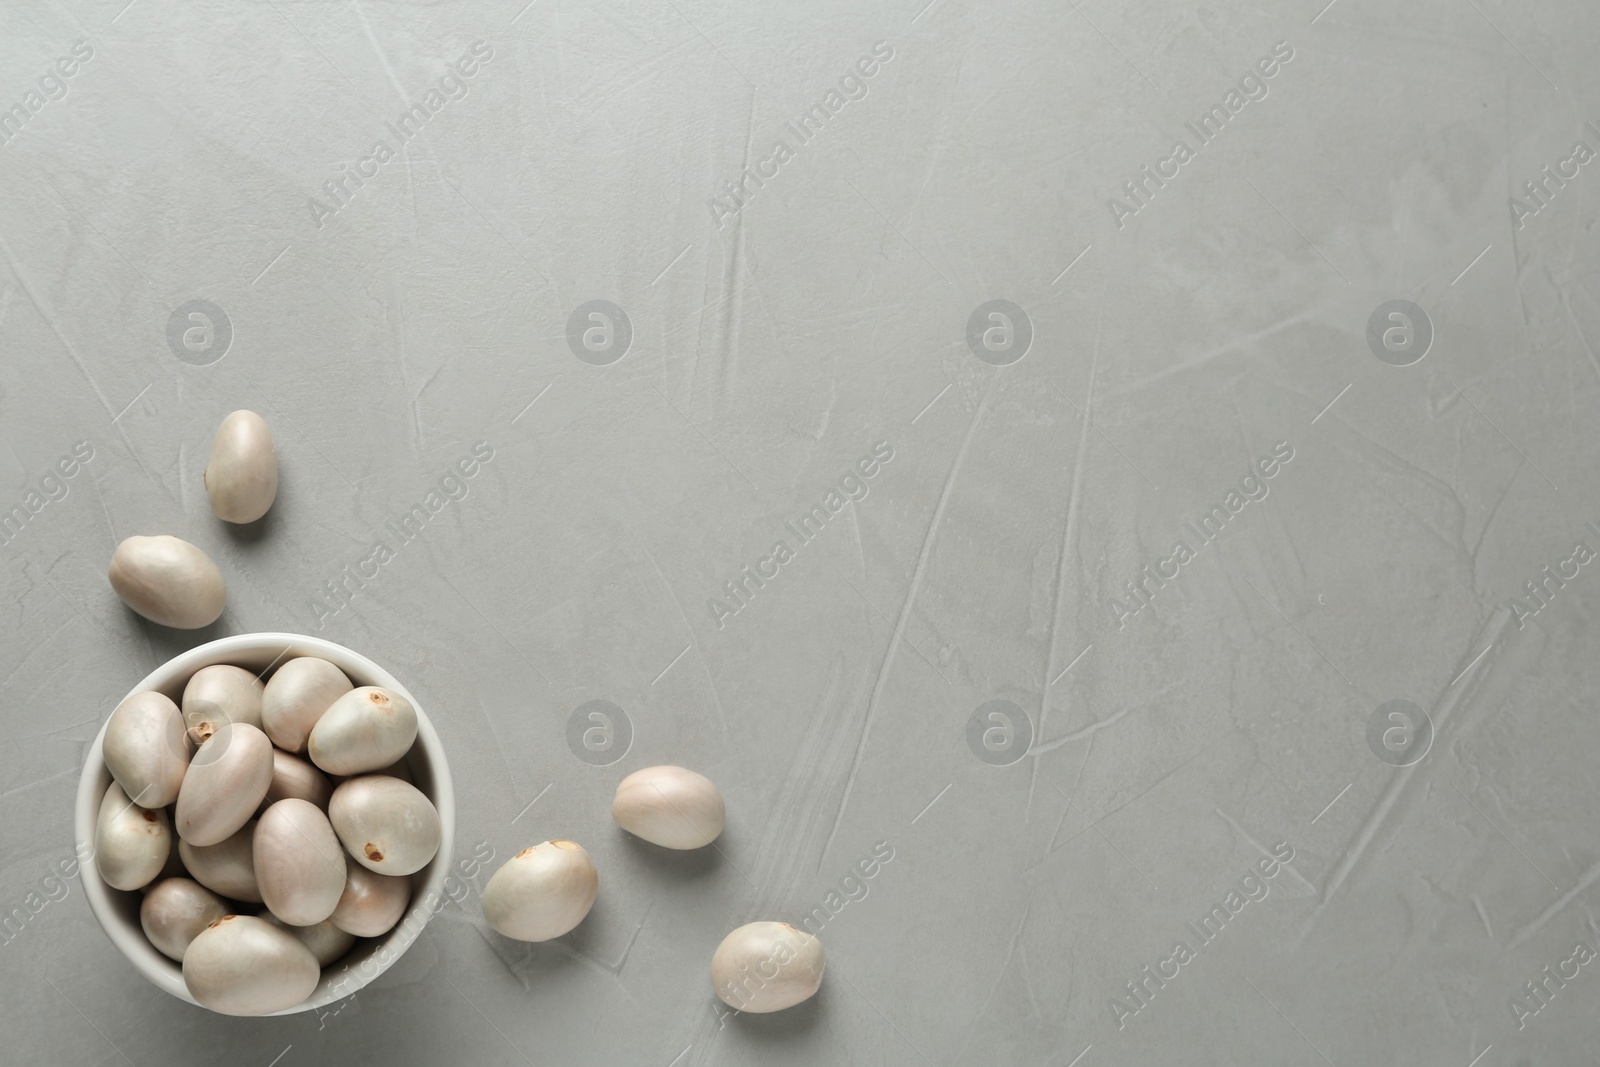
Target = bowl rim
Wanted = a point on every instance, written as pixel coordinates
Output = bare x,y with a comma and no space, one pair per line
129,938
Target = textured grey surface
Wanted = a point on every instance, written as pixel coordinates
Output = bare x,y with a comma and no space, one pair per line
1177,341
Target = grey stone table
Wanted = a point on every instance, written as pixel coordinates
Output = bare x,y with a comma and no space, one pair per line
1122,473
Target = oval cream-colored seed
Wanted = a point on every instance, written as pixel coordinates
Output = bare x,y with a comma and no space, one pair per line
226,780
131,844
297,694
168,581
242,965
174,912
669,806
217,695
326,941
767,966
296,778
241,477
364,730
227,867
372,903
299,863
144,748
388,825
173,868
542,892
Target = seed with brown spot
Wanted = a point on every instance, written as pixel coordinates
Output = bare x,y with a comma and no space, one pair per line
388,825
366,729
542,893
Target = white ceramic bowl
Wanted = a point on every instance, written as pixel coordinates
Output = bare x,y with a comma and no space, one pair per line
118,911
